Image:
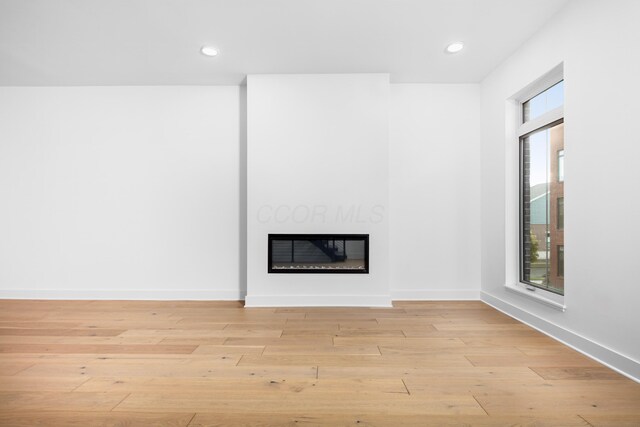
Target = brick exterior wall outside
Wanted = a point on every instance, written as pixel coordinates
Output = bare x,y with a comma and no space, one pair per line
556,191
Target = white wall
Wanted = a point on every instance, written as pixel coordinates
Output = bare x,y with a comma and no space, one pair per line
140,192
119,192
602,177
317,163
435,191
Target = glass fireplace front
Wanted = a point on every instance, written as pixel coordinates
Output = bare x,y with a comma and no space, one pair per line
318,253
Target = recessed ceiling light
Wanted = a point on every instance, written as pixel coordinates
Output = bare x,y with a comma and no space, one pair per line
208,51
455,47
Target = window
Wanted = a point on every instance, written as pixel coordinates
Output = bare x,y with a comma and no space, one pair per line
561,261
543,102
560,213
560,165
542,190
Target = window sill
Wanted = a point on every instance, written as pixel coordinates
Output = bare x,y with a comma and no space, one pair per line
538,295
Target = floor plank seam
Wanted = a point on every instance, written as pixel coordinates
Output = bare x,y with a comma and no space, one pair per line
466,357
480,404
81,384
585,420
23,369
317,372
123,399
191,419
405,386
535,372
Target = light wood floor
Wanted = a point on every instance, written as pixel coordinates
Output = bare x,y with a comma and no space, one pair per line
104,363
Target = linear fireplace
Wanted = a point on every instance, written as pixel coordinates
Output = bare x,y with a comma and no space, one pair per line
318,253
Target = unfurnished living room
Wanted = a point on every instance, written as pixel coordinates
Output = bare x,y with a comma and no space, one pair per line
319,213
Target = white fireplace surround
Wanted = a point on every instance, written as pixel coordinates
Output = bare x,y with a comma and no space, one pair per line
317,163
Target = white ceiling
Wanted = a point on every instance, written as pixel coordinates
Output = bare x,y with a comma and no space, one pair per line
157,42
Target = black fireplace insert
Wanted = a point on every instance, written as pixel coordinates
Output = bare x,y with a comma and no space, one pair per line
318,253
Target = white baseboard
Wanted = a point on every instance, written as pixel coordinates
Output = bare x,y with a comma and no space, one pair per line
151,295
435,294
608,357
318,301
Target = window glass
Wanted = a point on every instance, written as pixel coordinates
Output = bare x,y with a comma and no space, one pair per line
548,100
561,165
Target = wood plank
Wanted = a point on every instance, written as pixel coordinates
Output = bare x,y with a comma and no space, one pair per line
225,387
309,323
410,323
237,317
202,333
431,305
31,359
577,373
351,316
430,373
355,360
190,340
547,350
474,385
369,333
256,326
574,360
94,419
338,311
97,348
328,349
34,324
574,400
309,333
378,420
59,383
62,332
612,420
302,403
229,349
13,367
460,351
285,340
475,326
130,324
496,341
440,343
19,339
134,367
462,334
58,401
